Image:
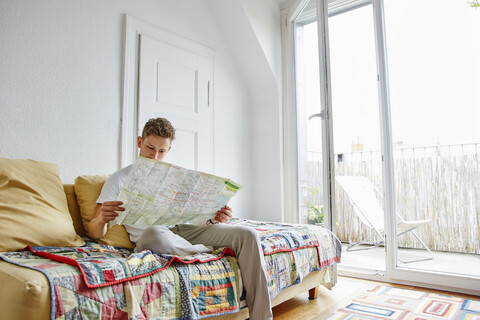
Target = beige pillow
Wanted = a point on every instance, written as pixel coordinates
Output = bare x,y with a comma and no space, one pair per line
33,206
117,236
87,189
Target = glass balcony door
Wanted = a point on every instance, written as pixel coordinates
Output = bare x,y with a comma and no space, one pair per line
356,136
312,122
413,134
338,126
434,76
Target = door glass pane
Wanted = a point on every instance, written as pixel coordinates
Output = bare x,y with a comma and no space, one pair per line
433,60
356,135
310,172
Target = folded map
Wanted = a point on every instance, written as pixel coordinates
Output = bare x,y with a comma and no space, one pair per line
157,192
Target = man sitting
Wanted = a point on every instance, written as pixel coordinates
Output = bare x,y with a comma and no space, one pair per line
155,143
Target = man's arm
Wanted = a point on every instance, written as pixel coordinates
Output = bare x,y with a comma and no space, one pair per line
104,213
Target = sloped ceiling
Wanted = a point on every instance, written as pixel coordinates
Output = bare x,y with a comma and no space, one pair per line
285,4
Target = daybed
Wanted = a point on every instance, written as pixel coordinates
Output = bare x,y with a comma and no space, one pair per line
48,271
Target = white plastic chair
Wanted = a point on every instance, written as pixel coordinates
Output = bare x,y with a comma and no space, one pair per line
361,194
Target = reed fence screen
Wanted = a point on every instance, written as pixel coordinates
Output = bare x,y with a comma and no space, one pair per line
439,183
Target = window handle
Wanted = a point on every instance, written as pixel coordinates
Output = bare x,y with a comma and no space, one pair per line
316,115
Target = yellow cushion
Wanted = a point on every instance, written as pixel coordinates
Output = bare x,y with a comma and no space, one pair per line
87,189
117,236
33,206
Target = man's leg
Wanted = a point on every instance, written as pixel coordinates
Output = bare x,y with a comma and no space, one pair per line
244,241
160,239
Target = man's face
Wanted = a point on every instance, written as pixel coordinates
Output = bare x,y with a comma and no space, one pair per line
154,147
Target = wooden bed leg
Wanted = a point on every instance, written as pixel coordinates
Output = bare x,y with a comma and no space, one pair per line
313,293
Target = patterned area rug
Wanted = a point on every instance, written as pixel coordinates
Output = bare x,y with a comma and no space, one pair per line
382,302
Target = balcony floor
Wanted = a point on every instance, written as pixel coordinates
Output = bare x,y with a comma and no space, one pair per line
447,262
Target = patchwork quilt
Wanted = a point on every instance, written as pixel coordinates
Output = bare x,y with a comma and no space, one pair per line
97,281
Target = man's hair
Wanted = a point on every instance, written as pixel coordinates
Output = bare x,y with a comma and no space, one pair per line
160,127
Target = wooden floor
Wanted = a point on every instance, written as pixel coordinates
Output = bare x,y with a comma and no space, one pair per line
330,300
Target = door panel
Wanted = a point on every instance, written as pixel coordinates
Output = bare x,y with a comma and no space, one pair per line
176,86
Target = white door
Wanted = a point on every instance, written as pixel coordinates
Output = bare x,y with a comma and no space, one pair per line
176,83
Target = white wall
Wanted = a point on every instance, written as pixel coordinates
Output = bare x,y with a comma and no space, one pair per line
61,84
254,34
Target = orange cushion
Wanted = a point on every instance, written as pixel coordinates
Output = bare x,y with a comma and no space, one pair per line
33,206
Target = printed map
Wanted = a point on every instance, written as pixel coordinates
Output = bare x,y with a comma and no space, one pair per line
161,193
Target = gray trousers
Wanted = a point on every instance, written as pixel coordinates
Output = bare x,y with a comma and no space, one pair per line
244,242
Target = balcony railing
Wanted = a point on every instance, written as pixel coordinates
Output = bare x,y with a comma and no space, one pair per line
439,183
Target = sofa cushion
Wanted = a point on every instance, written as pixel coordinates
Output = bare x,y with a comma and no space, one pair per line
87,189
33,206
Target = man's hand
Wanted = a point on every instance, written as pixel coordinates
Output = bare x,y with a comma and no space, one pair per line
223,215
107,210
104,213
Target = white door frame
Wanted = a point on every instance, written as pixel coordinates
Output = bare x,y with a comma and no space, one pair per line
133,29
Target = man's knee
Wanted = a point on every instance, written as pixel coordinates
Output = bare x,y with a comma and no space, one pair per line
156,239
161,240
154,233
247,235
